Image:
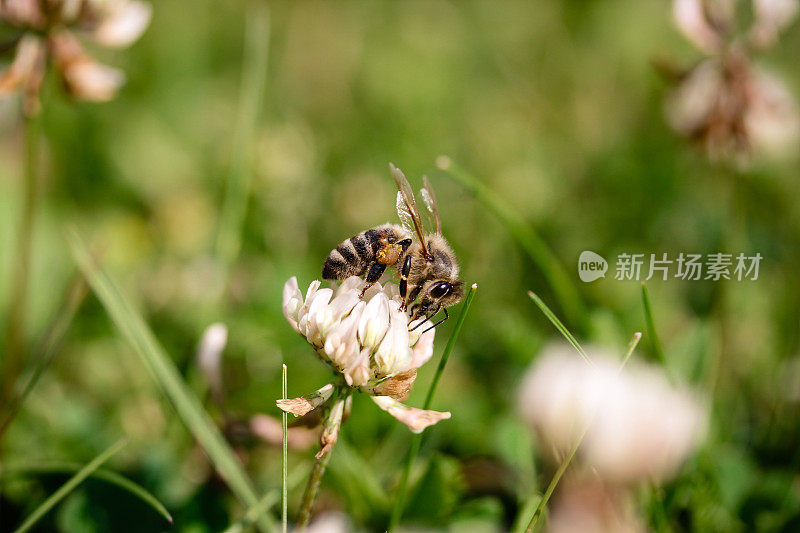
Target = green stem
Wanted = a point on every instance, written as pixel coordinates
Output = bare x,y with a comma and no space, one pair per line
651,327
310,494
330,431
284,460
416,440
18,310
558,325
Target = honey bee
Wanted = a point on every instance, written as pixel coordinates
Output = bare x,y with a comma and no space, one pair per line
428,268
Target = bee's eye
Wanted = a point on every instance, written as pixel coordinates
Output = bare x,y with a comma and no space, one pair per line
441,289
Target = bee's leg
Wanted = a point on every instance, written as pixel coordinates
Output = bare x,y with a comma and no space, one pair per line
374,274
446,316
405,243
404,276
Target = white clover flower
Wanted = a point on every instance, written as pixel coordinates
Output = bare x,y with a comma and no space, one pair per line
364,339
49,36
725,102
638,426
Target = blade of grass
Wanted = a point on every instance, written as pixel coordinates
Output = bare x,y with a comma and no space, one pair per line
69,486
14,360
416,440
559,326
568,459
651,327
51,343
105,475
284,459
254,79
141,338
631,347
537,249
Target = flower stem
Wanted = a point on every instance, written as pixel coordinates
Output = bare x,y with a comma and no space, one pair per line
416,440
284,460
330,432
310,495
18,310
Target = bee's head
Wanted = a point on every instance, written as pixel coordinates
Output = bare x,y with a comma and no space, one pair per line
437,294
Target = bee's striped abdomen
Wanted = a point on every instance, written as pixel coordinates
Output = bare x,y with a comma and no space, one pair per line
354,256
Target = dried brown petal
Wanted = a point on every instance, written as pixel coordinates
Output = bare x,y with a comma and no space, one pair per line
397,387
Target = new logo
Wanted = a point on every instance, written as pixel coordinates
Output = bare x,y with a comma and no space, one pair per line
591,266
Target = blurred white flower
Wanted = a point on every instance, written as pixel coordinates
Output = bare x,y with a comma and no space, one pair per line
365,339
725,102
209,357
637,425
48,32
734,107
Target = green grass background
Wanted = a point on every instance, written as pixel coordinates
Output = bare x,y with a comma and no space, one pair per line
553,105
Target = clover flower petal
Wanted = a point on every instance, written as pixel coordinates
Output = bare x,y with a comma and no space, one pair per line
123,23
292,301
394,354
374,322
305,404
416,419
771,17
423,348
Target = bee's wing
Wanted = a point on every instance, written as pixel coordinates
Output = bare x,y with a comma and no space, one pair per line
404,214
406,197
430,202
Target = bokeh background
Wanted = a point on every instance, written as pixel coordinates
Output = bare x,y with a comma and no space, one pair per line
555,106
